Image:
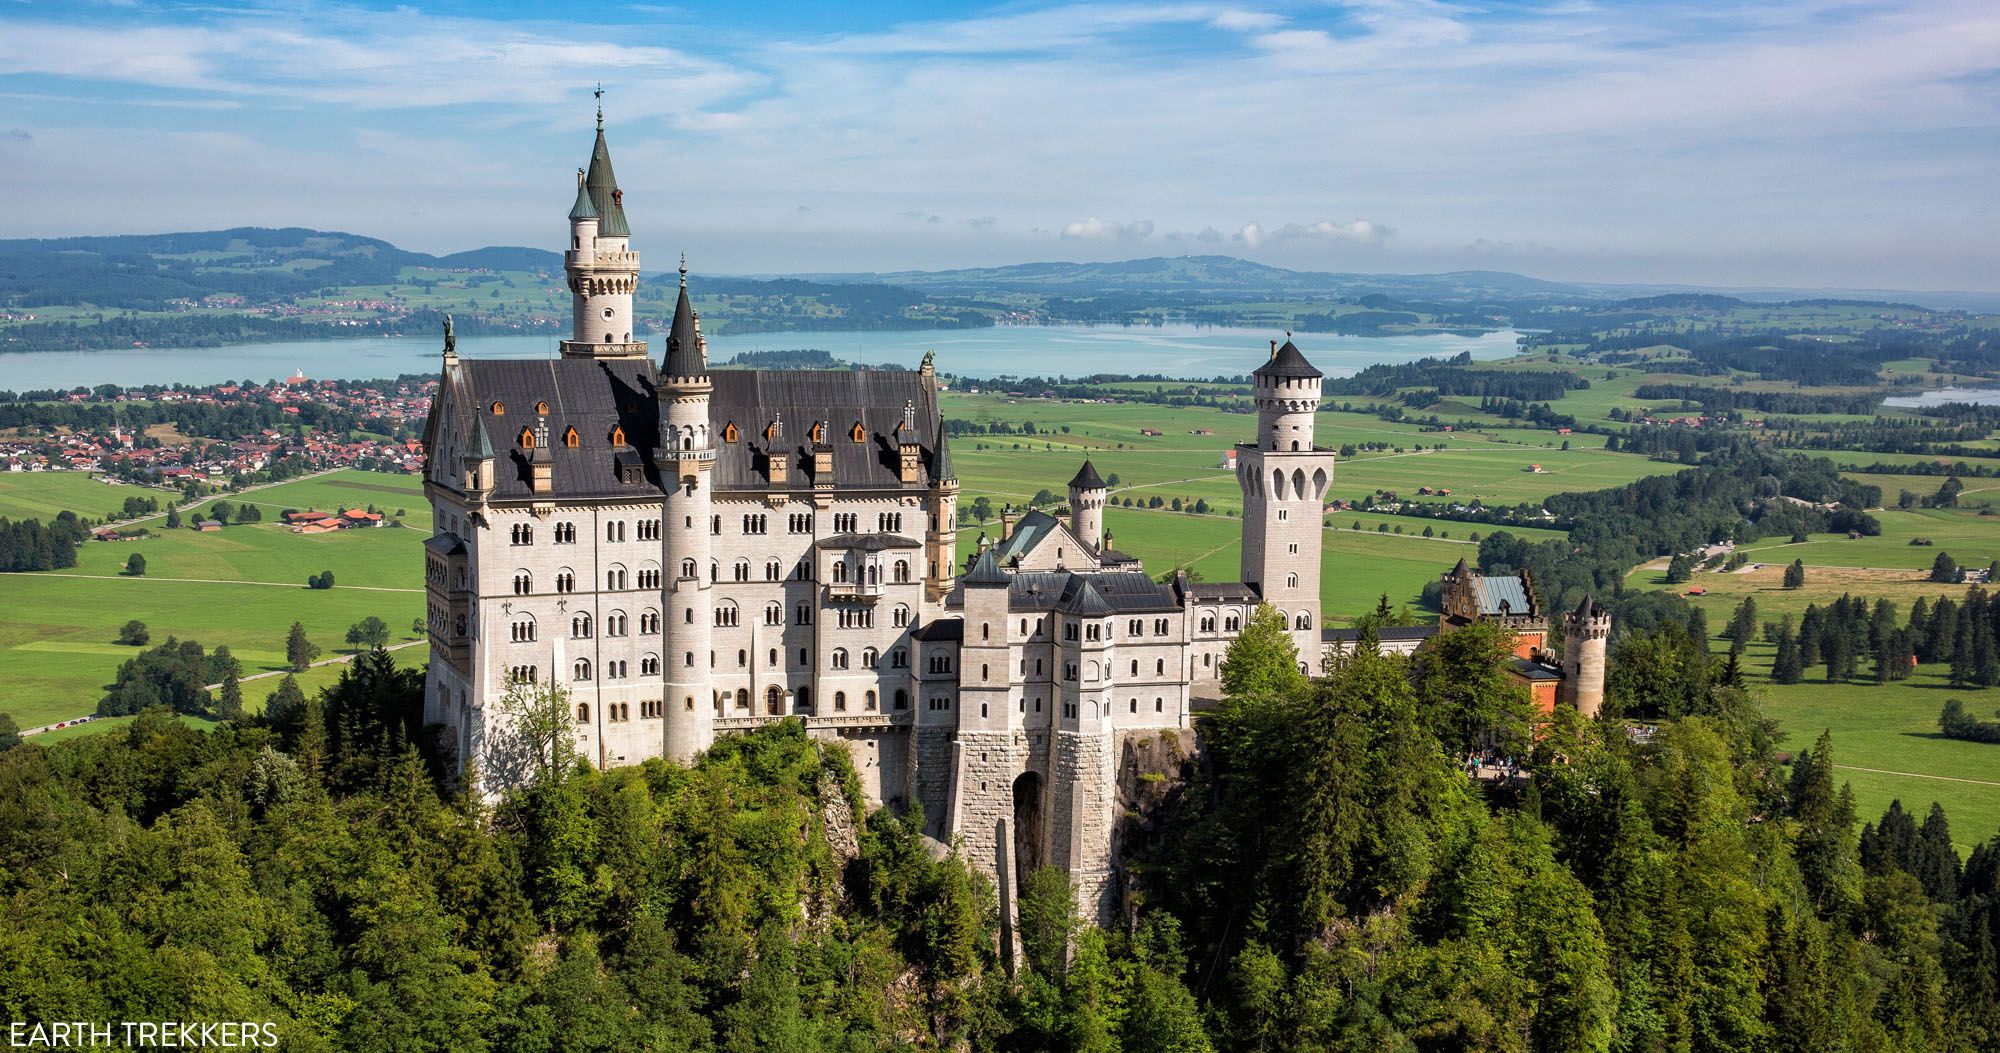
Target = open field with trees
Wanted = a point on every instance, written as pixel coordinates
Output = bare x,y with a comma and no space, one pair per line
239,587
40,495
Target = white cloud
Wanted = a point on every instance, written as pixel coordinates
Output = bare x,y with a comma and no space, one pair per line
1094,229
1359,231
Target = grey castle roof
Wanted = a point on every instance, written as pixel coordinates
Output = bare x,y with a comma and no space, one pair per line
1086,478
985,571
602,186
941,468
1502,596
684,357
867,542
480,447
600,396
1288,362
1028,533
1072,592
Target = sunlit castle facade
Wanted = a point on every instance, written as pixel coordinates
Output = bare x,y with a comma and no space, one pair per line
688,553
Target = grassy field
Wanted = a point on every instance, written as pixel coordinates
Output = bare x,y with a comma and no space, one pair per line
40,495
1972,539
241,587
1885,735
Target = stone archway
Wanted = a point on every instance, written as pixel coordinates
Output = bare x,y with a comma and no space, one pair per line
1028,826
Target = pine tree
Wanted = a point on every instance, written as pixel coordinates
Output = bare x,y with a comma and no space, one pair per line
1935,860
299,651
1812,635
1742,625
1944,568
1786,667
1679,569
1795,575
1941,632
173,517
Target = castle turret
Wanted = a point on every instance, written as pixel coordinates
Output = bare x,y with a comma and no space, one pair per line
602,269
1086,506
1284,479
1586,636
686,460
941,541
478,463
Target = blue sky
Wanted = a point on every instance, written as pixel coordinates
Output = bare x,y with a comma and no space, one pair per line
1811,144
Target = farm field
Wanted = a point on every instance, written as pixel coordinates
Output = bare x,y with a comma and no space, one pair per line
241,587
40,495
1885,736
1972,539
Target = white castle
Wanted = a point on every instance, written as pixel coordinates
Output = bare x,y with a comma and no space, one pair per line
690,553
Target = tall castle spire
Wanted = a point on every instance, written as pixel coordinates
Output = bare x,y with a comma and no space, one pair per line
603,270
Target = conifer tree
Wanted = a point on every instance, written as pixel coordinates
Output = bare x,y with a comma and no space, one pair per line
1795,575
299,651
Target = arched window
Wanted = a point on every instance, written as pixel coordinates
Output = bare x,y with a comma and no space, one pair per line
740,571
1305,621
839,571
774,700
774,613
542,408
1292,581
902,699
498,409
868,657
840,658
840,700
901,616
743,698
687,568
583,712
524,583
579,627
773,570
581,671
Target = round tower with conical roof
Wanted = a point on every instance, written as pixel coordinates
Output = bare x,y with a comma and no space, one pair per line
1284,478
602,269
1586,636
1086,506
686,461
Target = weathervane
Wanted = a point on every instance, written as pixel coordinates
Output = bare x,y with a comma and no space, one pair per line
684,270
599,92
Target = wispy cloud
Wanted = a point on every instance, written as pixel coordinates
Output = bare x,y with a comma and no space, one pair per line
1689,141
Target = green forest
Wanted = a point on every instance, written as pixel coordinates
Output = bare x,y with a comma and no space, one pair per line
1321,875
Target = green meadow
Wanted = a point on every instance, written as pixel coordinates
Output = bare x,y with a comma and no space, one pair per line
241,587
40,495
1885,736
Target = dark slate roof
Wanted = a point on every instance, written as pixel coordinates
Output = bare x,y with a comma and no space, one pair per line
480,446
1046,590
1528,670
1589,608
1084,601
445,544
868,542
1288,362
1222,592
751,399
1086,478
984,571
684,357
941,629
1459,571
594,395
941,468
1384,633
604,195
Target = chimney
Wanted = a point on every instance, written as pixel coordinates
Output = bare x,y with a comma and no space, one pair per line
1007,519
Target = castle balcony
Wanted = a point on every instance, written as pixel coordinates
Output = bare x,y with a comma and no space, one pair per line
863,592
576,258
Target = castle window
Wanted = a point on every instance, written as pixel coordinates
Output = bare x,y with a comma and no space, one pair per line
579,627
858,433
840,658
565,580
1233,623
527,439
570,438
868,701
523,534
901,618
729,432
1291,581
902,699
617,435
740,570
542,408
499,409
581,669
743,698
774,700
774,613
902,571
650,666
1305,621
899,658
840,700
869,657
524,583
649,623
1159,705
583,712
1159,666
818,432
773,570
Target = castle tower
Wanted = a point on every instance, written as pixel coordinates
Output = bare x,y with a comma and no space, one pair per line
1086,506
941,540
1284,479
686,460
602,269
1082,794
1586,632
987,751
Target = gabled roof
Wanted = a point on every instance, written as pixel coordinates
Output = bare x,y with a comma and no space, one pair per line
1288,362
1086,478
1028,533
867,542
